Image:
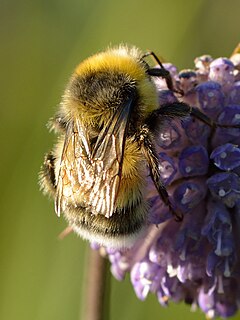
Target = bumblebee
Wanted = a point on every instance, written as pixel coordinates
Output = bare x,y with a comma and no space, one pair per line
107,125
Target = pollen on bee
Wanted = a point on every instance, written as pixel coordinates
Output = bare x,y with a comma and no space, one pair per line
67,191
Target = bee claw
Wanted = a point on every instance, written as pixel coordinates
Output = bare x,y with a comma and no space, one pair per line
178,216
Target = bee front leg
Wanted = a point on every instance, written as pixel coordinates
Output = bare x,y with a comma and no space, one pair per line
47,177
151,156
159,72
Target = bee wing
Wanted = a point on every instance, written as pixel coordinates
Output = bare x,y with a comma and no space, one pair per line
107,162
74,165
93,176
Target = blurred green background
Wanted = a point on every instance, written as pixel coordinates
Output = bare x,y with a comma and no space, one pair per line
41,278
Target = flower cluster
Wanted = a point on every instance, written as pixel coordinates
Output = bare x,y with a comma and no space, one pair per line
196,260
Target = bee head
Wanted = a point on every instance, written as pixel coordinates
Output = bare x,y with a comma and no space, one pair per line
105,81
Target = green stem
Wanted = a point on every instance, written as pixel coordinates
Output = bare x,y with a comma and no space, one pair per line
97,288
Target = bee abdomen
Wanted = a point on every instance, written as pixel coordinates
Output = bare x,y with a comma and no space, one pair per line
120,230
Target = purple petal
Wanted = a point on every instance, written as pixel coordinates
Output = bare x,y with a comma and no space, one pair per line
169,137
226,157
196,131
221,71
189,194
225,187
167,167
211,98
166,97
234,95
187,81
193,161
229,116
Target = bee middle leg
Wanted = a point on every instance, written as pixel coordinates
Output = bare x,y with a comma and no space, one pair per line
180,110
151,156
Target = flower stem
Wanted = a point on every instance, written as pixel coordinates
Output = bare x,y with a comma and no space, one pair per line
97,288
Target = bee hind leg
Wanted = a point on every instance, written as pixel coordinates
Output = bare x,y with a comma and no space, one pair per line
47,177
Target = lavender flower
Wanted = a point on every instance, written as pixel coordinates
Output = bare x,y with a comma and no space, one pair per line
196,260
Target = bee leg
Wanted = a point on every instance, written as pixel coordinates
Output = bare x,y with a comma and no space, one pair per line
57,124
47,178
153,163
161,72
181,110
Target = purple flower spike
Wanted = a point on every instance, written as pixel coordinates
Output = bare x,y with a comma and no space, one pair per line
226,157
193,161
196,260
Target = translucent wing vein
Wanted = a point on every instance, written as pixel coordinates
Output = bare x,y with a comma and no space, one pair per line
89,176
